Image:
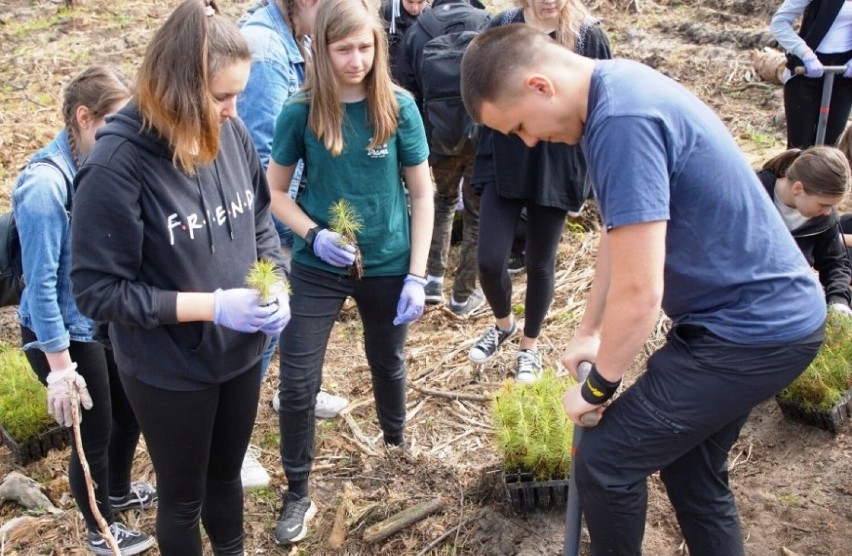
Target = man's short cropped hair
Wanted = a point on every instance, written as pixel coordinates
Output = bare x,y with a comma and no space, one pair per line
492,60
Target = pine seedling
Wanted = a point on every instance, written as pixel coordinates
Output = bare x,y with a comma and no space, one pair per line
345,220
23,399
265,276
829,376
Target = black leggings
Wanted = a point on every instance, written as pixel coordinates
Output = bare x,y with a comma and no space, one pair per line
197,440
109,429
802,97
498,220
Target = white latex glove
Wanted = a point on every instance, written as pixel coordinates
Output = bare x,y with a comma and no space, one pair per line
60,386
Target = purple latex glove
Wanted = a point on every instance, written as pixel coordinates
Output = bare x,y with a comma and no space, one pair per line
60,387
813,67
240,309
279,319
333,249
411,300
848,73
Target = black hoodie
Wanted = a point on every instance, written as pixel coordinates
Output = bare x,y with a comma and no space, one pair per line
144,230
820,241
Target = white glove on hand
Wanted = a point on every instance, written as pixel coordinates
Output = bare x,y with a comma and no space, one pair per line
842,308
60,387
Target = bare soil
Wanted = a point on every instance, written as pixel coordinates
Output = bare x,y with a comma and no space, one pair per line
793,484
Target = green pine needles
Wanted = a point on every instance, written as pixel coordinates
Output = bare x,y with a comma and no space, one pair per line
23,399
263,276
829,376
532,430
345,220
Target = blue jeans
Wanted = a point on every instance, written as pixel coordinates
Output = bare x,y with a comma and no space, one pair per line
681,417
317,299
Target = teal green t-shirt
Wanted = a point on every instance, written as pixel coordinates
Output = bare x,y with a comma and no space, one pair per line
368,178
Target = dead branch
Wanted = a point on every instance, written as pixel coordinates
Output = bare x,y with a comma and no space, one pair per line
401,520
339,529
103,526
451,395
26,492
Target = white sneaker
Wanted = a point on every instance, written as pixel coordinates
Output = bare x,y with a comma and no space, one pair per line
328,405
252,474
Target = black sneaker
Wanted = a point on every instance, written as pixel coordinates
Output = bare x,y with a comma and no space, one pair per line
292,526
471,304
129,541
485,348
142,495
434,292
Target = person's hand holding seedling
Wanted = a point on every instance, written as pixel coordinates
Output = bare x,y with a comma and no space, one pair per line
268,280
240,309
332,249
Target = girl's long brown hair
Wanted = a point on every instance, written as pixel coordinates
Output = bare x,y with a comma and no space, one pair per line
335,21
173,83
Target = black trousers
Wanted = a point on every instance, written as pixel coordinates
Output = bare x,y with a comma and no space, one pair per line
317,298
197,440
681,417
498,222
802,97
109,430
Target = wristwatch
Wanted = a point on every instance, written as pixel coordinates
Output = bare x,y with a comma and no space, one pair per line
311,236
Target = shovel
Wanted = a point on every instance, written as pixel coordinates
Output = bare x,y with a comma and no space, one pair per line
574,513
825,101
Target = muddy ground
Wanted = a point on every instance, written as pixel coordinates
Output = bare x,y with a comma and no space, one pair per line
793,484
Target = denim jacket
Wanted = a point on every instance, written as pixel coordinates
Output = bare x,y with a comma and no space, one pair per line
39,200
277,73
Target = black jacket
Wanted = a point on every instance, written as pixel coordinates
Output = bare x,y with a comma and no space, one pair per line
396,35
551,174
820,242
143,230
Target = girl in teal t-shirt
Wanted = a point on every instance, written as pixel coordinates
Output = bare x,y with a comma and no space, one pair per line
355,130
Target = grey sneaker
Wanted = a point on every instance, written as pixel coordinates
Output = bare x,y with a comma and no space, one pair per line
142,495
516,264
529,366
292,526
473,302
328,405
434,292
129,541
485,348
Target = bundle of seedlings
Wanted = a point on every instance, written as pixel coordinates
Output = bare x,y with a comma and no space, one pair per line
533,433
345,220
25,425
825,388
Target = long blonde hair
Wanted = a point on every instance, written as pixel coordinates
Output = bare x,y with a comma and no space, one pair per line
571,18
336,20
173,83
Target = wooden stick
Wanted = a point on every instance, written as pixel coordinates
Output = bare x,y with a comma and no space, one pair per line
401,520
103,526
451,395
338,530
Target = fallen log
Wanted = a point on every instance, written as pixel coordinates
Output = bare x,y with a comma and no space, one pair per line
401,520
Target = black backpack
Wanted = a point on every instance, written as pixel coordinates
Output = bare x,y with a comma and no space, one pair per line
11,265
451,27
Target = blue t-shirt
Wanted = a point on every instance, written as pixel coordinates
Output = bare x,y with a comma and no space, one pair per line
658,153
367,177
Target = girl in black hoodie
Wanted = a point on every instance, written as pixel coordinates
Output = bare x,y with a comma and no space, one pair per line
171,211
805,186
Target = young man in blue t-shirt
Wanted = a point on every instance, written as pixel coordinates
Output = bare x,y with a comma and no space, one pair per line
687,229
